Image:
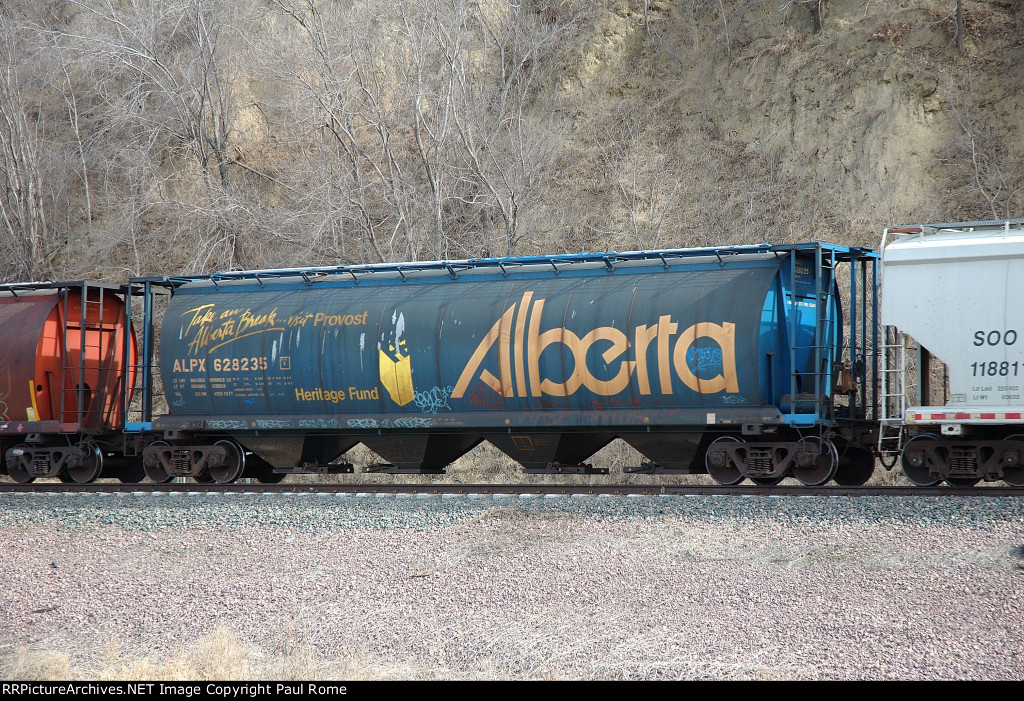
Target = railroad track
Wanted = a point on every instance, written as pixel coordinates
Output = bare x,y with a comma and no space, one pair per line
513,489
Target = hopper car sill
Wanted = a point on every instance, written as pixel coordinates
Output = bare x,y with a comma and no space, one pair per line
43,427
631,421
933,415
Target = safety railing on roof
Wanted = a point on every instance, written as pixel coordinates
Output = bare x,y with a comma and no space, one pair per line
991,226
510,264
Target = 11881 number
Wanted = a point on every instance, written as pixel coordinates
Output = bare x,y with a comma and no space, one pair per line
994,368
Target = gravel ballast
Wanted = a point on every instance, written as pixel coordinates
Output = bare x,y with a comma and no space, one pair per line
499,587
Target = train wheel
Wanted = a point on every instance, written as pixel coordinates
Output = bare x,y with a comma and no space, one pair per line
154,470
232,467
20,475
89,467
14,468
1014,476
1013,464
914,460
719,464
817,461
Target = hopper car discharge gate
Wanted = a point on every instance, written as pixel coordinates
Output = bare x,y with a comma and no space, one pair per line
805,365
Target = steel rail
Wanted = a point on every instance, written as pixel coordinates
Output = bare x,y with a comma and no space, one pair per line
748,490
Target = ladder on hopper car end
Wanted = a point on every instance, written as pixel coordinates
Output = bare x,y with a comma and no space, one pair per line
76,392
893,398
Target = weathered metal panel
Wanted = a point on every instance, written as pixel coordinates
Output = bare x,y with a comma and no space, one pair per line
21,319
657,343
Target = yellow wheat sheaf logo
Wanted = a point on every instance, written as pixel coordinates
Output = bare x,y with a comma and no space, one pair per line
395,364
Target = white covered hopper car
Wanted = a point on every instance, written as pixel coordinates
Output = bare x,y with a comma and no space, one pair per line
953,293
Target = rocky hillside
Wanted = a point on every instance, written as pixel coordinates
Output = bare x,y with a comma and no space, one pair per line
179,135
772,131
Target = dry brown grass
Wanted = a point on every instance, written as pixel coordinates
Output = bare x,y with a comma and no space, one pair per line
39,665
221,655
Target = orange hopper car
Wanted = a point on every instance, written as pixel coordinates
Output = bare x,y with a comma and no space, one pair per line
67,354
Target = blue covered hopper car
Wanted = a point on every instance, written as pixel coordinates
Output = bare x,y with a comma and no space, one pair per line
734,361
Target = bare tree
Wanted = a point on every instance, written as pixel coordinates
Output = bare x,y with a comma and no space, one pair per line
169,101
504,143
420,113
350,104
958,11
27,243
985,163
646,184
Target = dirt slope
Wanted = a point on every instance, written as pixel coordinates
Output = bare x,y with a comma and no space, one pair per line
758,128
